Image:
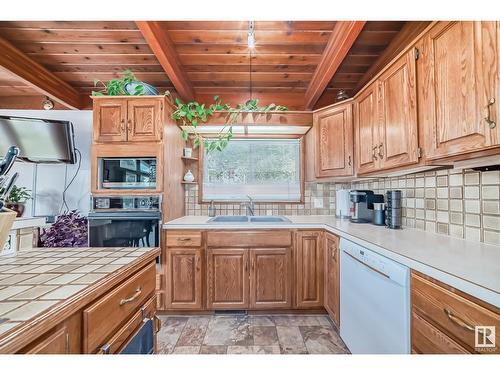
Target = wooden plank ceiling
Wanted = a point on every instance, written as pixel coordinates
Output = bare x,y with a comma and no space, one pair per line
214,56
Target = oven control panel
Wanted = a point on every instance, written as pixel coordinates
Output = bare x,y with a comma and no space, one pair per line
126,203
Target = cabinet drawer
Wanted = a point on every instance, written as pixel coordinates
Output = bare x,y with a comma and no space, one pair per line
453,313
109,312
427,339
183,239
262,238
119,338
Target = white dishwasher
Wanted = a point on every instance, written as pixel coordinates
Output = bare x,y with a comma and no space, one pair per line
374,302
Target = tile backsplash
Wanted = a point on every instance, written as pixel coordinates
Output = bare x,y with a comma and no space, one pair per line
460,203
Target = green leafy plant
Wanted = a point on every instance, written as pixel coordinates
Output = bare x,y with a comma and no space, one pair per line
18,195
117,86
194,114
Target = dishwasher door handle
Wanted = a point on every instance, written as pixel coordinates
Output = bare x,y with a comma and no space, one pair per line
366,265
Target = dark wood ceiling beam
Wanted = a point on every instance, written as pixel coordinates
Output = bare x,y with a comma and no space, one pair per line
165,52
407,34
37,76
341,40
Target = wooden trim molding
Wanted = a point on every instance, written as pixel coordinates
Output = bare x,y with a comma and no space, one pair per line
343,37
35,75
165,52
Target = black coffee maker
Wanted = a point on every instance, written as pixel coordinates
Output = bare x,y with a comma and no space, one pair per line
362,202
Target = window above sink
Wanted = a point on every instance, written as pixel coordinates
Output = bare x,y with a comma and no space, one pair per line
268,170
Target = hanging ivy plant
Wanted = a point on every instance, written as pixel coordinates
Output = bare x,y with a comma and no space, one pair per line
194,114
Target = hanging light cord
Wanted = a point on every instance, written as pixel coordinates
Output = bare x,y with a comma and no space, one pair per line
250,75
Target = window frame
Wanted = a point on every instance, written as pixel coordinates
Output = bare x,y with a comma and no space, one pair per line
302,155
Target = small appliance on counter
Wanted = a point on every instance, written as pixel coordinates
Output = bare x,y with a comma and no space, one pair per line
342,204
394,214
363,201
379,214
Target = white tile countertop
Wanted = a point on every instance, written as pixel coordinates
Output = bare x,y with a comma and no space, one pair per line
472,267
33,282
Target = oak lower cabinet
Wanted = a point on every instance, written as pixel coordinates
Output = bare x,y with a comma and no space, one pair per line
184,279
121,119
333,133
309,269
227,278
444,320
332,277
461,89
258,278
271,278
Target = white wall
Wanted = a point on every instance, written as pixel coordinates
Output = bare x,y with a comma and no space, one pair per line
47,181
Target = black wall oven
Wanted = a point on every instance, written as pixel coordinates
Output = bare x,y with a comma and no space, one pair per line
125,221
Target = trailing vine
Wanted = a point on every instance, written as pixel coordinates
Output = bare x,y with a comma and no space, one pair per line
194,114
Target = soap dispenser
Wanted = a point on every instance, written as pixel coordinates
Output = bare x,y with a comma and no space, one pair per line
211,209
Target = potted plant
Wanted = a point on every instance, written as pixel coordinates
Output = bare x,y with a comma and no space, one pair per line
17,198
69,230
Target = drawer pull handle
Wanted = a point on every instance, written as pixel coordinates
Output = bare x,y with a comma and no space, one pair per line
131,299
459,322
184,239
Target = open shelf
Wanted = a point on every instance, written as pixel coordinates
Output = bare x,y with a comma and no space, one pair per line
190,159
188,183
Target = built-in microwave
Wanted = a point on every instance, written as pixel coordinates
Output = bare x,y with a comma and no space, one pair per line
127,173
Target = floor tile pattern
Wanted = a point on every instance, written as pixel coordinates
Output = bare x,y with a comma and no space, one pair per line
249,334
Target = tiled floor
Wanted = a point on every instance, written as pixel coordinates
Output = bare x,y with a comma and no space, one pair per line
249,334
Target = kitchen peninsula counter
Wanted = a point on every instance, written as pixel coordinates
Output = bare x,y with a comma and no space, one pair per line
42,287
472,267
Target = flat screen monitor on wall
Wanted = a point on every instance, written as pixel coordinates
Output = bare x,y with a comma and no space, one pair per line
39,140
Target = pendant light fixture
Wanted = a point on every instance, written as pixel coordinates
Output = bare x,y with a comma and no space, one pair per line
251,47
251,35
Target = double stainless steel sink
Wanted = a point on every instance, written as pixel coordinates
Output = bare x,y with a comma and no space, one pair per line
228,219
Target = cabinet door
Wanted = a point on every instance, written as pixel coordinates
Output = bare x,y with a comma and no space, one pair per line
457,125
183,284
334,141
398,137
332,278
366,129
270,278
227,278
144,119
109,119
309,270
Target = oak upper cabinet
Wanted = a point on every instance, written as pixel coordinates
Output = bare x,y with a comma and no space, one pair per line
309,269
183,278
334,141
366,130
118,119
397,135
332,277
109,118
271,278
144,119
227,278
461,59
